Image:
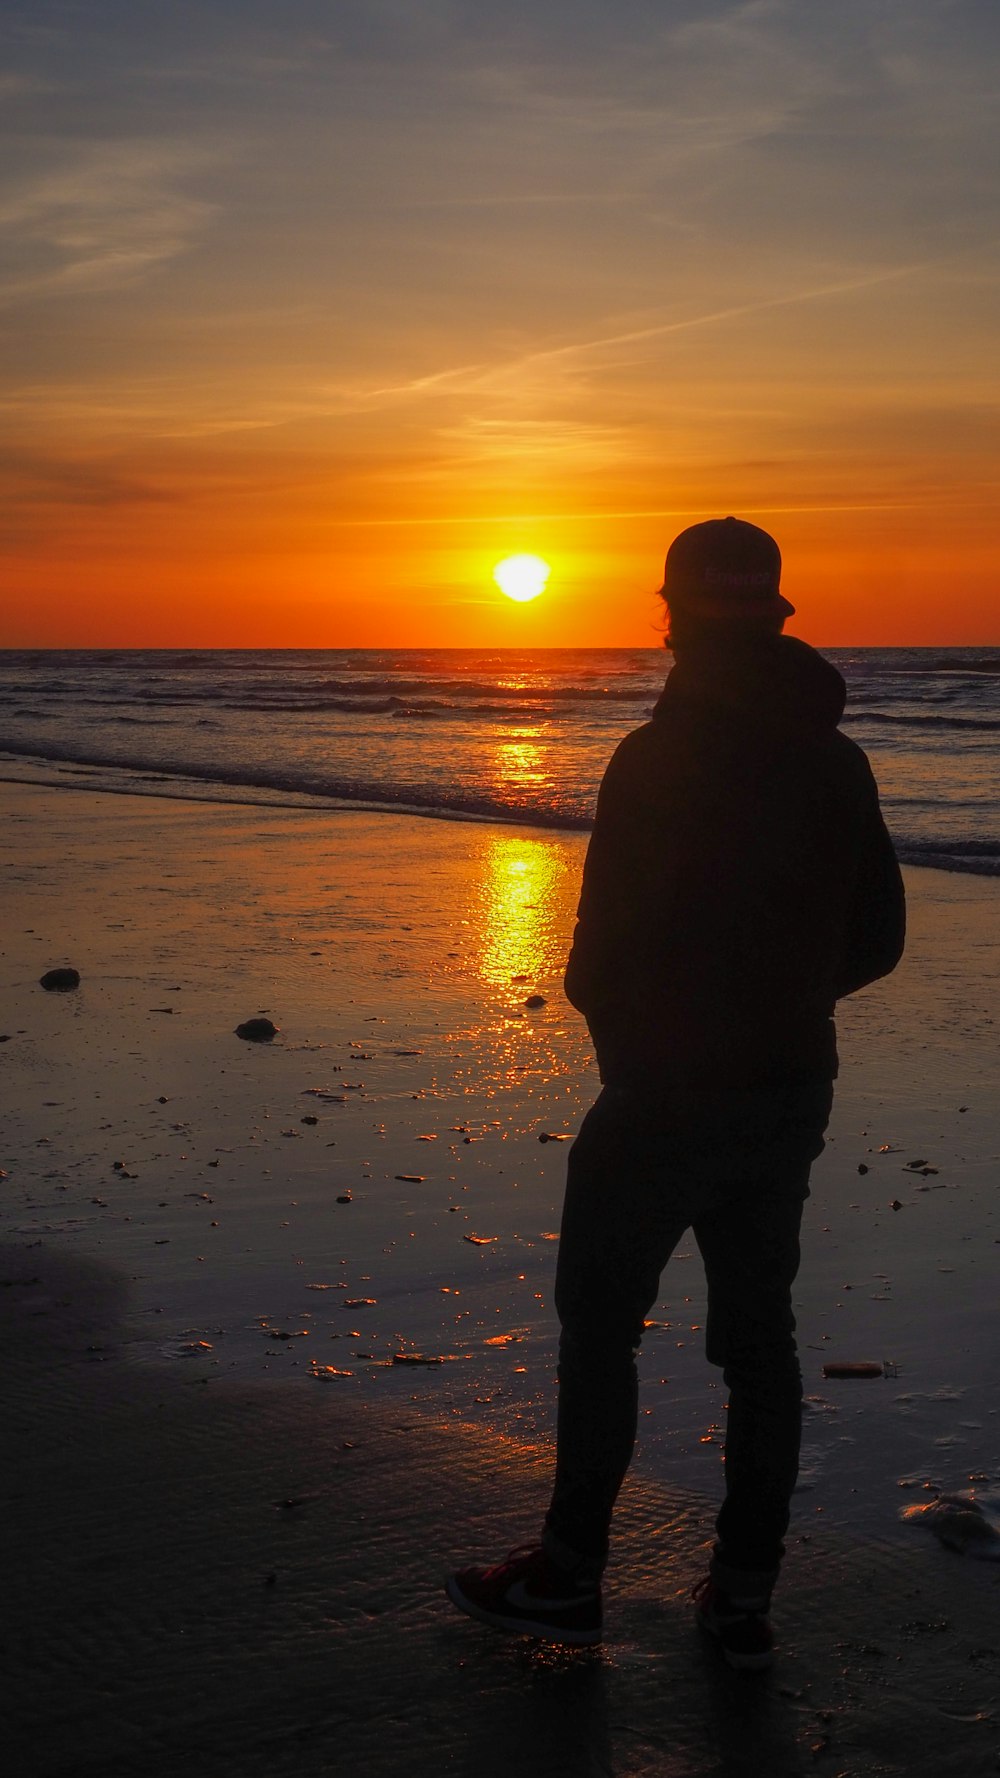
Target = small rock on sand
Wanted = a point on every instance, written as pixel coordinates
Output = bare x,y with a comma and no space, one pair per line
257,1030
960,1523
60,981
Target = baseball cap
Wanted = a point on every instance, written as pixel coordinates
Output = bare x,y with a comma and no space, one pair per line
725,568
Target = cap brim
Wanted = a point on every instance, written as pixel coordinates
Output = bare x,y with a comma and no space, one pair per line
702,605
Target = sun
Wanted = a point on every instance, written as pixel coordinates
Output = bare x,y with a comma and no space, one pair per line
522,577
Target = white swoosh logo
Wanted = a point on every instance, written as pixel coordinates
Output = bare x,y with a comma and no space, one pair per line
517,1594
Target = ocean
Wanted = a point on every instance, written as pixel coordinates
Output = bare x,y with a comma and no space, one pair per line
461,734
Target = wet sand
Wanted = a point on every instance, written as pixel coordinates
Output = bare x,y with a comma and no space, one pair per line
177,1328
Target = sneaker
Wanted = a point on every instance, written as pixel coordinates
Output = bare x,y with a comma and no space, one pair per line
740,1626
528,1594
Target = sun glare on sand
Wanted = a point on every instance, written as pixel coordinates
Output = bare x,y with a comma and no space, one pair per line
522,577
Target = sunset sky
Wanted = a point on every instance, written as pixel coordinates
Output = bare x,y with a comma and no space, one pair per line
315,309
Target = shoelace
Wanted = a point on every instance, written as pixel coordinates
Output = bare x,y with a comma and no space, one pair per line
523,1549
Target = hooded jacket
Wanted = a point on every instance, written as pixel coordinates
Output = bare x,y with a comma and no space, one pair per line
739,878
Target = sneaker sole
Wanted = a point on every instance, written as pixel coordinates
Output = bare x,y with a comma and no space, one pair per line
526,1626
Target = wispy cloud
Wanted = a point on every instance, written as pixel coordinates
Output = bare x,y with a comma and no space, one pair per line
105,217
574,444
483,377
515,200
18,86
481,520
54,481
712,317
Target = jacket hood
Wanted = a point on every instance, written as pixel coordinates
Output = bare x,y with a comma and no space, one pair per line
776,681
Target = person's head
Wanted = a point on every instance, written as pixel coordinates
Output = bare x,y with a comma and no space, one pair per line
720,585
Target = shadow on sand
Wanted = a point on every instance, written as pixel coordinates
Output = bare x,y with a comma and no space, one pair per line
205,1582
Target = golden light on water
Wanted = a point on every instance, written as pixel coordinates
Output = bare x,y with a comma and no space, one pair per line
519,892
519,762
522,898
522,577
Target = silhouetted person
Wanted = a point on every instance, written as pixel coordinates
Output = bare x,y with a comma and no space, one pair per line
738,882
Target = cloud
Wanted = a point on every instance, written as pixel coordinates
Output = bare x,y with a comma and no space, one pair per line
14,85
560,369
33,480
105,215
571,444
713,317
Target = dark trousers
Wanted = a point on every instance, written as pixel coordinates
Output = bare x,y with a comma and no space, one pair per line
734,1168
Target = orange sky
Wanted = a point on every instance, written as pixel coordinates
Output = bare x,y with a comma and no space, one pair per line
311,315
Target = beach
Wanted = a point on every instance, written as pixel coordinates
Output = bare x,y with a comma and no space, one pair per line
282,1341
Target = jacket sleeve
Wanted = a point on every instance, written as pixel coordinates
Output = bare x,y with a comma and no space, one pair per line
593,979
876,929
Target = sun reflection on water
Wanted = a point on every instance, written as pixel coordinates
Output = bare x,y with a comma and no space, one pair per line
518,908
504,924
522,912
519,765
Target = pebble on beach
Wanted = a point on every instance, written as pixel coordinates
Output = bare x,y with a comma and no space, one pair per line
960,1523
257,1030
60,981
